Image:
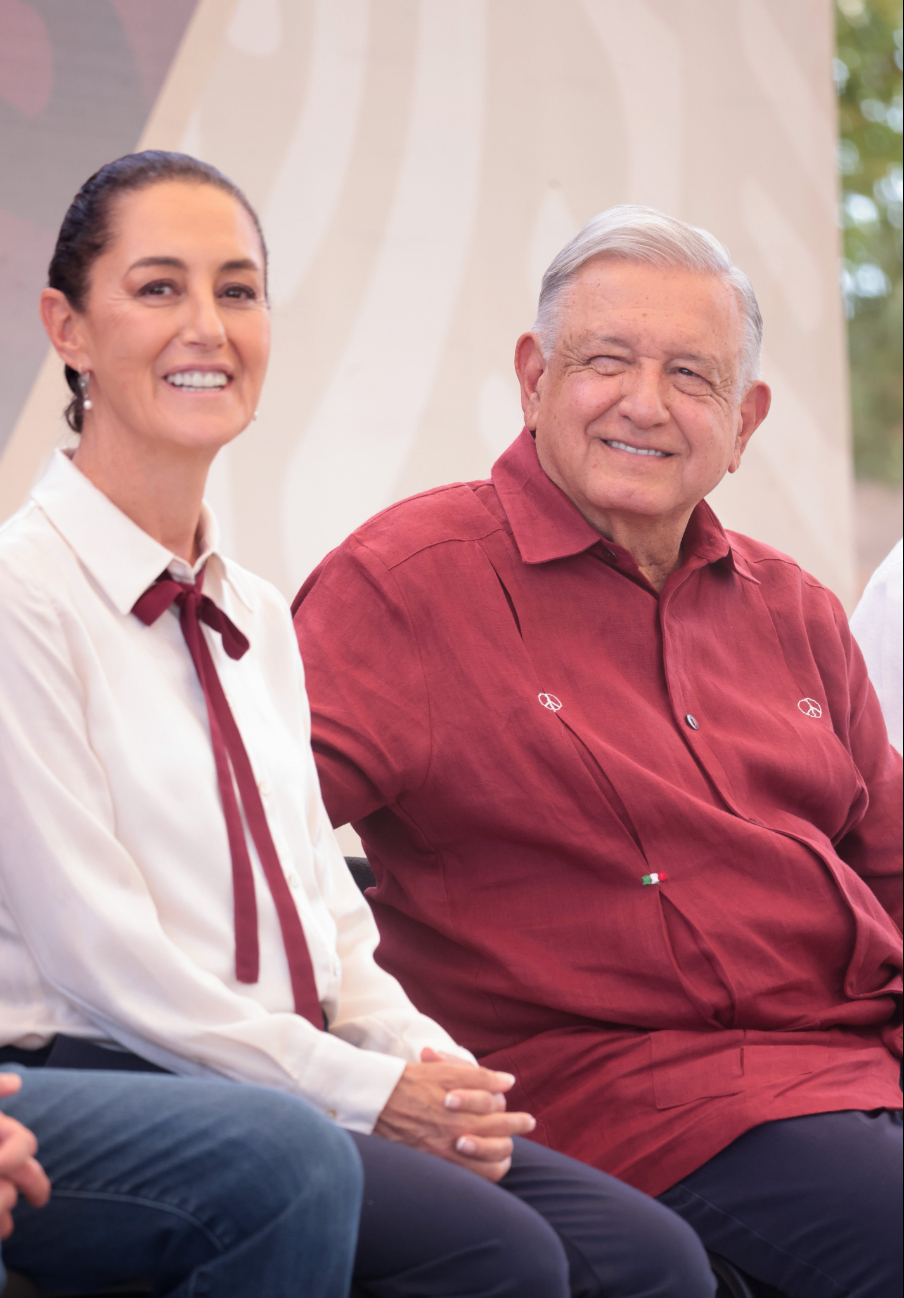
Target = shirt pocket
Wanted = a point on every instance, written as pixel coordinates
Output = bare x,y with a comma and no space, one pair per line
690,1066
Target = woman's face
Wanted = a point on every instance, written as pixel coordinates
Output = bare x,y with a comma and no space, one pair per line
176,328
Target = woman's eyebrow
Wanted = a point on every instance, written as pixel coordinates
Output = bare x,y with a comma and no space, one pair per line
238,263
158,261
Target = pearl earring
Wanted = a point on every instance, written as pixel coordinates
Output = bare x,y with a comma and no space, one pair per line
84,380
254,416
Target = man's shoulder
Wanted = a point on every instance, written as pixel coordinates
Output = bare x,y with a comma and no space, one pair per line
452,513
769,564
785,584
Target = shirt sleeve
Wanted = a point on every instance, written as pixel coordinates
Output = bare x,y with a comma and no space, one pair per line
373,1010
83,909
365,681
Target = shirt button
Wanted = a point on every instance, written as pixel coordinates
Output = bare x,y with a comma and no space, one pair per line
263,788
293,881
692,722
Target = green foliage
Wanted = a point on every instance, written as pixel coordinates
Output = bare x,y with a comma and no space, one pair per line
868,78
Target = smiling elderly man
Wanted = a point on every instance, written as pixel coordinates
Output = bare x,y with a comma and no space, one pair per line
624,784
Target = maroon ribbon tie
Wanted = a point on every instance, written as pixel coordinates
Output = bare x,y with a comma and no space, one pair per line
234,769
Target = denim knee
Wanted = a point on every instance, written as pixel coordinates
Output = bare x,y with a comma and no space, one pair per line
289,1150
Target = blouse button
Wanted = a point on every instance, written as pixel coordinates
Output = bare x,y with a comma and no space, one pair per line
294,881
692,722
263,788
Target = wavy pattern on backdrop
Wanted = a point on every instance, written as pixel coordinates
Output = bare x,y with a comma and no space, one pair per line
418,163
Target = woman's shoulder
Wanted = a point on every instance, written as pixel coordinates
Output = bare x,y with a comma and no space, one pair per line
29,550
258,606
33,585
259,594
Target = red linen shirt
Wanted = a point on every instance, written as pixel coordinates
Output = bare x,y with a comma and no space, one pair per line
526,736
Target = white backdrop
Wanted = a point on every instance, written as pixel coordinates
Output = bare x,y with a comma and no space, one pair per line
417,163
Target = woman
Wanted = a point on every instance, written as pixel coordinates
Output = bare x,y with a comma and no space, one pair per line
172,884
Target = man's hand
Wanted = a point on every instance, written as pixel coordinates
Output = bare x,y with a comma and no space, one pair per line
448,1107
19,1169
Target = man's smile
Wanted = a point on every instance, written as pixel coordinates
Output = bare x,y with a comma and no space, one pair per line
634,450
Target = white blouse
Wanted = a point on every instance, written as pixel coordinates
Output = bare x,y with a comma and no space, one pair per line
878,624
116,919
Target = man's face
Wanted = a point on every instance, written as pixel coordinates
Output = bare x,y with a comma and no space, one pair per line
636,410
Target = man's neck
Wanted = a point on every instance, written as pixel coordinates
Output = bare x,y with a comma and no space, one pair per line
653,543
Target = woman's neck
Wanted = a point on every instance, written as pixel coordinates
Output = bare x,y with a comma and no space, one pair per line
158,486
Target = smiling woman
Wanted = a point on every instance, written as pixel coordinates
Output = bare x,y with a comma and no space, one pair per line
157,305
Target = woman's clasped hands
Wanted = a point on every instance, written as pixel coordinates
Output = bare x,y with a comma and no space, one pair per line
449,1107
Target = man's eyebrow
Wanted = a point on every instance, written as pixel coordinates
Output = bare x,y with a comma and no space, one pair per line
698,359
610,340
238,263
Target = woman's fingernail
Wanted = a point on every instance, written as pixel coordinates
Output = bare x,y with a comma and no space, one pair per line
453,1101
533,1123
507,1077
465,1145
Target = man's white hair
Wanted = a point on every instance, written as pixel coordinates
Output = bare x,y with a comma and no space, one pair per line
642,234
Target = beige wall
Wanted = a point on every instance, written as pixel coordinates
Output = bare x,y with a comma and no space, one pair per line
417,163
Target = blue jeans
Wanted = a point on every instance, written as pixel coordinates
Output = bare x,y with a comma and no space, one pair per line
205,1188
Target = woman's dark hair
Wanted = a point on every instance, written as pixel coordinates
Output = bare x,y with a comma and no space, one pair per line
86,228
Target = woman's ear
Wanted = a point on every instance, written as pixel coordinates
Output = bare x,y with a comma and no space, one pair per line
65,329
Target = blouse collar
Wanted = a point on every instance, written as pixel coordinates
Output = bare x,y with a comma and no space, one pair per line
121,557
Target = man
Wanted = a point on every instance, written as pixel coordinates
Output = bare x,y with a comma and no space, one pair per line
200,1186
623,782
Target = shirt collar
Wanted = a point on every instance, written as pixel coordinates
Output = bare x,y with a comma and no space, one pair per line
547,525
122,558
706,541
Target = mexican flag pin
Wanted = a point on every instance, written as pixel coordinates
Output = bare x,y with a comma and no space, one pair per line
654,878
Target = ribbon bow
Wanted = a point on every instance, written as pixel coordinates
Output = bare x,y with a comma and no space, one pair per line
234,769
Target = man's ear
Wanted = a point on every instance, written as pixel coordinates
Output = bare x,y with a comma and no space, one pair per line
64,326
753,410
530,366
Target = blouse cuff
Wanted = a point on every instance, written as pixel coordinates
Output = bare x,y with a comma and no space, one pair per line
349,1085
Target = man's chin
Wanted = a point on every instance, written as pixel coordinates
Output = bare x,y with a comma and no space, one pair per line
615,500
